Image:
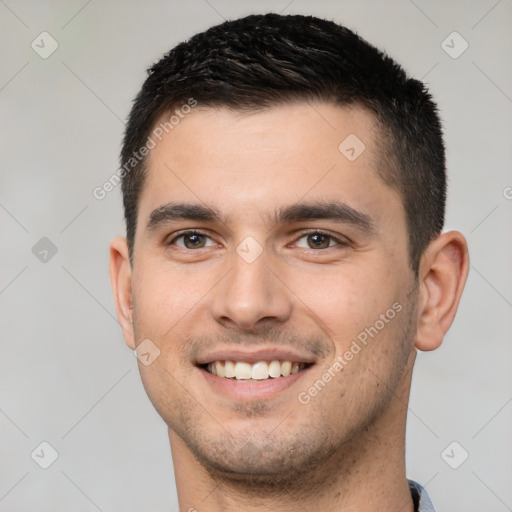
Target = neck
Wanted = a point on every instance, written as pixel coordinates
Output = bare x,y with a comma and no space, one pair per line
366,474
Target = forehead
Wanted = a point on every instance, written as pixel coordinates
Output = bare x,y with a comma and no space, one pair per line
258,161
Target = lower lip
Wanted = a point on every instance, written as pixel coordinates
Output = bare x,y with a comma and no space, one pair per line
253,390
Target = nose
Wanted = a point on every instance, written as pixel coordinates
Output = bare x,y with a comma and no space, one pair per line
251,294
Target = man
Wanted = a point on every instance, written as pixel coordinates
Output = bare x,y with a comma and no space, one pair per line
284,193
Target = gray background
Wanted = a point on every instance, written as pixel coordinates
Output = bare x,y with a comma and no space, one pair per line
65,374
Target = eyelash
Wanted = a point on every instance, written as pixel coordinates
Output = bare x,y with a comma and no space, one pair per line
302,235
322,233
185,233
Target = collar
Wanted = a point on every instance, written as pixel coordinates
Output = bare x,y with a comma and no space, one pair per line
420,498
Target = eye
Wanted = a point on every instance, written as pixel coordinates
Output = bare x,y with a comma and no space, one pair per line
317,240
191,240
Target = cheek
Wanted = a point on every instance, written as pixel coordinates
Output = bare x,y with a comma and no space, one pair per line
167,393
348,299
164,296
361,309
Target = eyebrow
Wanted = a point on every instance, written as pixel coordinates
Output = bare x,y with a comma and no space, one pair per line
333,210
181,211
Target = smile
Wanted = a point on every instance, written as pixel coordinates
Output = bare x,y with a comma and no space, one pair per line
261,370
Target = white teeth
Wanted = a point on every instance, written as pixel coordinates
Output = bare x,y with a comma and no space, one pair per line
261,370
221,370
243,370
230,369
286,368
274,369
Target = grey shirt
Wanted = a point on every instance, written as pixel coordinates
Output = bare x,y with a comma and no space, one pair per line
420,498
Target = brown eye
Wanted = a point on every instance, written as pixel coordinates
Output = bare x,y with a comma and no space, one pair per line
192,240
318,241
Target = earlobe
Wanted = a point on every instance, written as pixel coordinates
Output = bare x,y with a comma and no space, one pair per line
121,279
443,272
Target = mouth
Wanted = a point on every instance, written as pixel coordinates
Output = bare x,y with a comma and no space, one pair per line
246,375
253,372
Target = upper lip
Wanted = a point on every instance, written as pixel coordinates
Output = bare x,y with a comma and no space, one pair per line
256,355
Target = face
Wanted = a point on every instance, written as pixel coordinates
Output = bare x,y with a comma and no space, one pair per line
263,242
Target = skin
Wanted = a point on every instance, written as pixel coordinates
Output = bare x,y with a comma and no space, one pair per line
344,449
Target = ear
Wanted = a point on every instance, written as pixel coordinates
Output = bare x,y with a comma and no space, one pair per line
121,281
442,276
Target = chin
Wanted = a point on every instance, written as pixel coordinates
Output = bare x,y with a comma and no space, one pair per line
265,459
